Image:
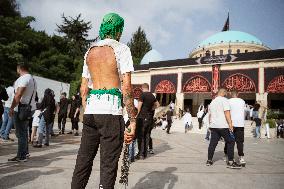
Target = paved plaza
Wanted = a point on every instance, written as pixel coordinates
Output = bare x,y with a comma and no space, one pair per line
178,163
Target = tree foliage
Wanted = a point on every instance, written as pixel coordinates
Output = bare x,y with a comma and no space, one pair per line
76,31
9,8
139,45
55,57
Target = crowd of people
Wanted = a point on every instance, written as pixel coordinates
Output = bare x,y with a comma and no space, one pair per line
33,118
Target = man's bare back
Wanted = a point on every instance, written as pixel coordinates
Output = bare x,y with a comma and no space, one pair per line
103,68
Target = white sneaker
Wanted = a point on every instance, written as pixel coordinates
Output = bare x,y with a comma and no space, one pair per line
225,158
242,160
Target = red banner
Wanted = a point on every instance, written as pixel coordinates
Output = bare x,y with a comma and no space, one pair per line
197,84
276,85
165,86
239,82
215,79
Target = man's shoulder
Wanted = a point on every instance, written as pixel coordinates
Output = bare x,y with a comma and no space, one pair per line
150,95
111,42
238,100
23,78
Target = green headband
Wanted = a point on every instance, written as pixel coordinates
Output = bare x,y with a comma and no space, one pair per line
111,25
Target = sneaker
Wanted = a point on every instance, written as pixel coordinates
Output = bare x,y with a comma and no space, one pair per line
28,155
76,134
37,146
225,158
70,133
46,144
209,163
242,160
233,165
17,159
151,151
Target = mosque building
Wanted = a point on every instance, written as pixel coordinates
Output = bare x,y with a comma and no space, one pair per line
230,59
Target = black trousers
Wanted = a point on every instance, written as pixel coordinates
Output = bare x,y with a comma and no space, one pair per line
216,134
239,138
75,122
199,123
143,134
62,122
150,138
106,132
169,125
279,133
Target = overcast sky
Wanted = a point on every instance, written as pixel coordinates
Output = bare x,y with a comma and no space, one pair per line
174,27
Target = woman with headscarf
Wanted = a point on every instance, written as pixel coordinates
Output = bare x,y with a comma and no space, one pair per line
74,114
47,106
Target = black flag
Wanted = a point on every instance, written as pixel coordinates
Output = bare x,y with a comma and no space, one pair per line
227,24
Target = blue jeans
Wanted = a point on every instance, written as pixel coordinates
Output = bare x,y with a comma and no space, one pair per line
257,131
6,124
131,150
22,135
51,128
43,128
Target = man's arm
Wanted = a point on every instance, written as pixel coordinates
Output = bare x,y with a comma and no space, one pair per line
84,91
128,96
16,100
129,104
156,105
229,120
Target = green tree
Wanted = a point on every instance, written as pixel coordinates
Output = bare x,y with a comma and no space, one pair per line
9,8
139,45
76,31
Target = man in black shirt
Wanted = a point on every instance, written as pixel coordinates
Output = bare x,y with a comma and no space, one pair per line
146,106
62,113
169,119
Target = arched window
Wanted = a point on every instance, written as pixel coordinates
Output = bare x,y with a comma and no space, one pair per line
207,53
230,51
200,55
246,51
221,52
213,53
238,51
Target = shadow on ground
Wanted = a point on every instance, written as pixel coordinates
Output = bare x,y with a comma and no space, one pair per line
158,179
24,177
36,161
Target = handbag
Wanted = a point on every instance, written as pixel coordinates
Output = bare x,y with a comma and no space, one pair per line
25,110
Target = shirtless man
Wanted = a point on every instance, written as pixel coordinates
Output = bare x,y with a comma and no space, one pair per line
107,66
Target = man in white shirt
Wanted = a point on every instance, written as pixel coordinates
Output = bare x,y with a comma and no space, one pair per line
7,121
25,88
237,106
200,115
221,126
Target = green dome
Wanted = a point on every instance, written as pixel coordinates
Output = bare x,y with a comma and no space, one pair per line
230,37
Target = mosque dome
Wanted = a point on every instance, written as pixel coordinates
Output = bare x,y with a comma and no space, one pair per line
228,42
151,56
230,37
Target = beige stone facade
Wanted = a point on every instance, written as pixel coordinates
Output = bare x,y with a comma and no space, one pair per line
223,49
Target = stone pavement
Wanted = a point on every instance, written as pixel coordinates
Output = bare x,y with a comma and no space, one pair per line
178,163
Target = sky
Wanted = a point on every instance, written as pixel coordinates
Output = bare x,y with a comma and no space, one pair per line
174,27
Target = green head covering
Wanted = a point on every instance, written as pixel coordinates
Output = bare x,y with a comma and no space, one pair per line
111,25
